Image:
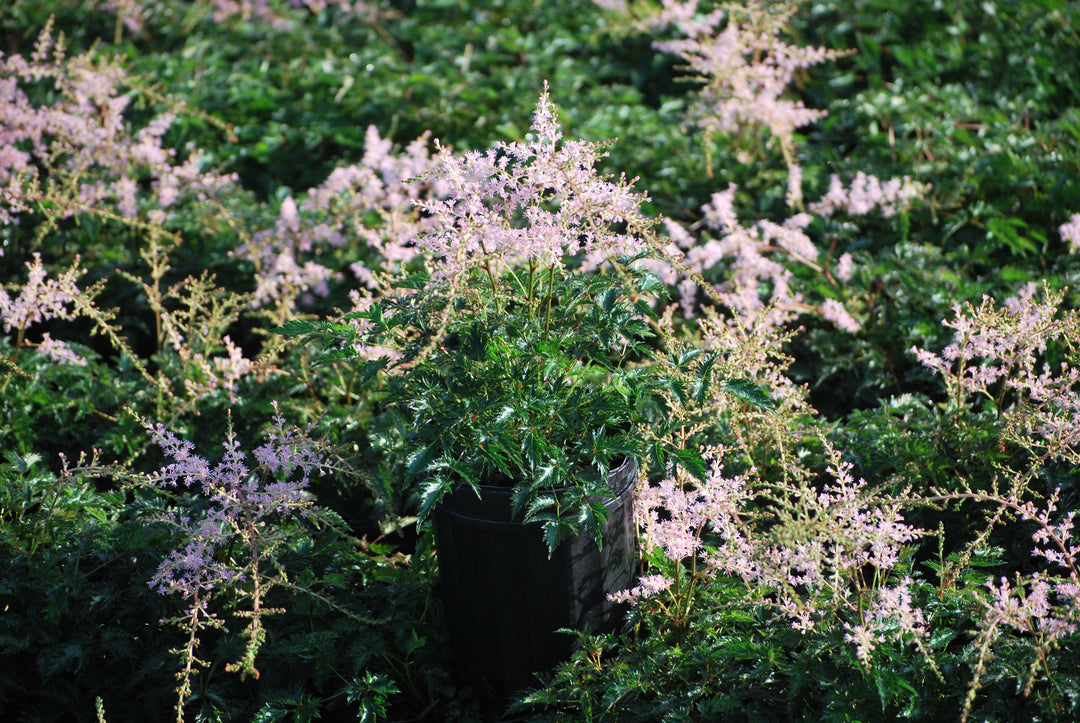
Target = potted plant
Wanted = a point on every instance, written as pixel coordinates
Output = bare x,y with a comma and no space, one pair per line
527,384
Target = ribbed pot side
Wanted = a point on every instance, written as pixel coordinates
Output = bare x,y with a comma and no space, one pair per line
505,598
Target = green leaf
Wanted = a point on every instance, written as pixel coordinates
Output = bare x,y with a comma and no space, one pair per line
701,387
688,356
295,327
749,392
692,462
415,281
431,492
337,355
556,532
373,367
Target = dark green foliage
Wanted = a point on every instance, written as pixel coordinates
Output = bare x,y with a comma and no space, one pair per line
980,99
537,401
81,621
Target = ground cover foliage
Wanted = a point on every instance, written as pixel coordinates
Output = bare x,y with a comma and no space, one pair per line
868,208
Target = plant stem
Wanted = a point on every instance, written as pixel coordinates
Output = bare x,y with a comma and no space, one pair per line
550,294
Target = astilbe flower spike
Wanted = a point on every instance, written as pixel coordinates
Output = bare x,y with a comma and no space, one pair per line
78,153
1070,232
242,508
746,71
369,205
540,200
995,355
41,299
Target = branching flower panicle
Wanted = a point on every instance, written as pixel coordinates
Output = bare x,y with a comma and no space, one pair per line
746,70
77,155
242,509
537,201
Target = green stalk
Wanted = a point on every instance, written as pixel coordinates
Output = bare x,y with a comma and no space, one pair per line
491,277
531,292
551,286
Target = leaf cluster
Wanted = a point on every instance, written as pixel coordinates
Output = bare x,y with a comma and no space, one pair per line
543,389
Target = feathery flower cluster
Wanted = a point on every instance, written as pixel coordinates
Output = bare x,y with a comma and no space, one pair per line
540,200
753,351
378,200
270,12
228,547
867,193
892,611
369,205
748,255
1070,232
129,13
648,585
996,351
281,277
241,501
77,151
41,299
746,70
810,560
745,250
58,351
835,312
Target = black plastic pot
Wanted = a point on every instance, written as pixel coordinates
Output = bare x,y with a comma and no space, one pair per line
505,599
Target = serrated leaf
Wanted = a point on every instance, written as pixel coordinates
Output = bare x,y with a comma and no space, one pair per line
373,367
701,387
535,507
749,392
608,299
556,532
295,327
692,462
417,461
415,281
337,355
688,356
431,492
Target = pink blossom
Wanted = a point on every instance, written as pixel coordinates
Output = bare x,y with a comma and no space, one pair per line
240,502
83,138
835,312
59,352
844,267
41,299
232,368
648,585
868,193
1070,232
534,201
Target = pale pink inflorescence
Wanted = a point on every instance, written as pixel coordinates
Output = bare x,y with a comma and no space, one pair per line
747,71
536,201
1070,232
370,205
809,564
42,299
240,498
997,348
894,610
267,12
84,137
